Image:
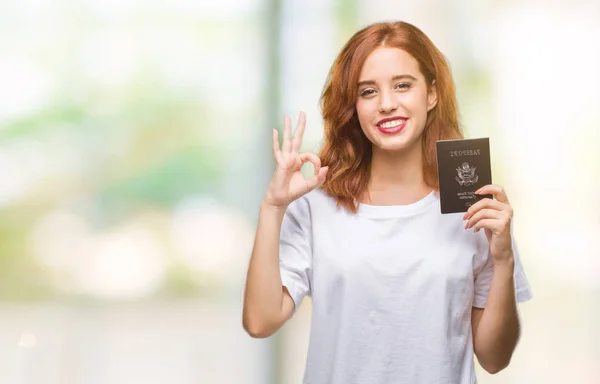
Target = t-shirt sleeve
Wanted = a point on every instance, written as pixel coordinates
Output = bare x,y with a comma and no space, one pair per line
483,278
295,251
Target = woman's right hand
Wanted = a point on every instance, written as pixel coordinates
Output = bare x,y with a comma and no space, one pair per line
288,183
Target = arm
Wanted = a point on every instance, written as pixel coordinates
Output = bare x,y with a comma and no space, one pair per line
496,328
267,305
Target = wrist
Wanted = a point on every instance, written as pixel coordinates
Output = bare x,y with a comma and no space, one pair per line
505,265
270,208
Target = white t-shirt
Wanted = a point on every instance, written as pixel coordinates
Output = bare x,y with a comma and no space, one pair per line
392,289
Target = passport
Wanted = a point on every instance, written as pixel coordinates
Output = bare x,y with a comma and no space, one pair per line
464,166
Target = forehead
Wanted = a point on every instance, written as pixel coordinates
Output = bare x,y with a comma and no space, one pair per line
386,62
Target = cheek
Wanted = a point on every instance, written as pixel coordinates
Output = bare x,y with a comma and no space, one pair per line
424,102
415,106
364,112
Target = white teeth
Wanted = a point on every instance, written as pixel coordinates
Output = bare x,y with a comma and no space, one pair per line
392,124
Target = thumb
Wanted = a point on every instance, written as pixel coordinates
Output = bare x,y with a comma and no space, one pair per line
318,179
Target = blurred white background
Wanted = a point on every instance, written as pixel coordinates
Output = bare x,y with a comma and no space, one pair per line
135,150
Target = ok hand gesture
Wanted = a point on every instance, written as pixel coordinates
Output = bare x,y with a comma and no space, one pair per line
288,183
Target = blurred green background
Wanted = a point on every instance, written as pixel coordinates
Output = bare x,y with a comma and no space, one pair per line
135,150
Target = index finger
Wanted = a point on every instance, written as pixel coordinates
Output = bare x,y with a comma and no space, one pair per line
307,156
495,190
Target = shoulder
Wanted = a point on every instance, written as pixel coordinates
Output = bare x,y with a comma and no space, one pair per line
315,198
316,202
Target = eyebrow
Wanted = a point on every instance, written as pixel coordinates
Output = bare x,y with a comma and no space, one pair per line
397,77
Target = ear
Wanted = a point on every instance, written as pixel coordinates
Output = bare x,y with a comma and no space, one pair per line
432,97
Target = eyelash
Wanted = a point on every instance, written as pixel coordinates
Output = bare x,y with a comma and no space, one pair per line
368,92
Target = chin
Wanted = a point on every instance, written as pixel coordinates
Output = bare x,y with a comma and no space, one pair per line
393,143
392,148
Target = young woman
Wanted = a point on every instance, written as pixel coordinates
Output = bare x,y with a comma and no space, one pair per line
401,293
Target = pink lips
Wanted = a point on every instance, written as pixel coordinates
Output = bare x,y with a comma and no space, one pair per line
393,130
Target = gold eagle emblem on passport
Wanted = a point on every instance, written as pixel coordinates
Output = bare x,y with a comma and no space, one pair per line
466,175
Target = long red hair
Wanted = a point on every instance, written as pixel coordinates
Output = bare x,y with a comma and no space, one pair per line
346,150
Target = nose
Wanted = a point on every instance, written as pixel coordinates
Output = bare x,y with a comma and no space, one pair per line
387,102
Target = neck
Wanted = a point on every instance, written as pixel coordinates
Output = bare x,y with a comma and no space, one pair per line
397,177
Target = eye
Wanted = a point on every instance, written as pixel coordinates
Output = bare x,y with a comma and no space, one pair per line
403,86
367,92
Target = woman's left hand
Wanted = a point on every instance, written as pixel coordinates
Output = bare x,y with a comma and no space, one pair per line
494,216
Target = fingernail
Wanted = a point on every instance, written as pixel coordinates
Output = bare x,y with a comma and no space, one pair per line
477,192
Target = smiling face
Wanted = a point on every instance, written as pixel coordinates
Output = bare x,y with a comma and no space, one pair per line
393,99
